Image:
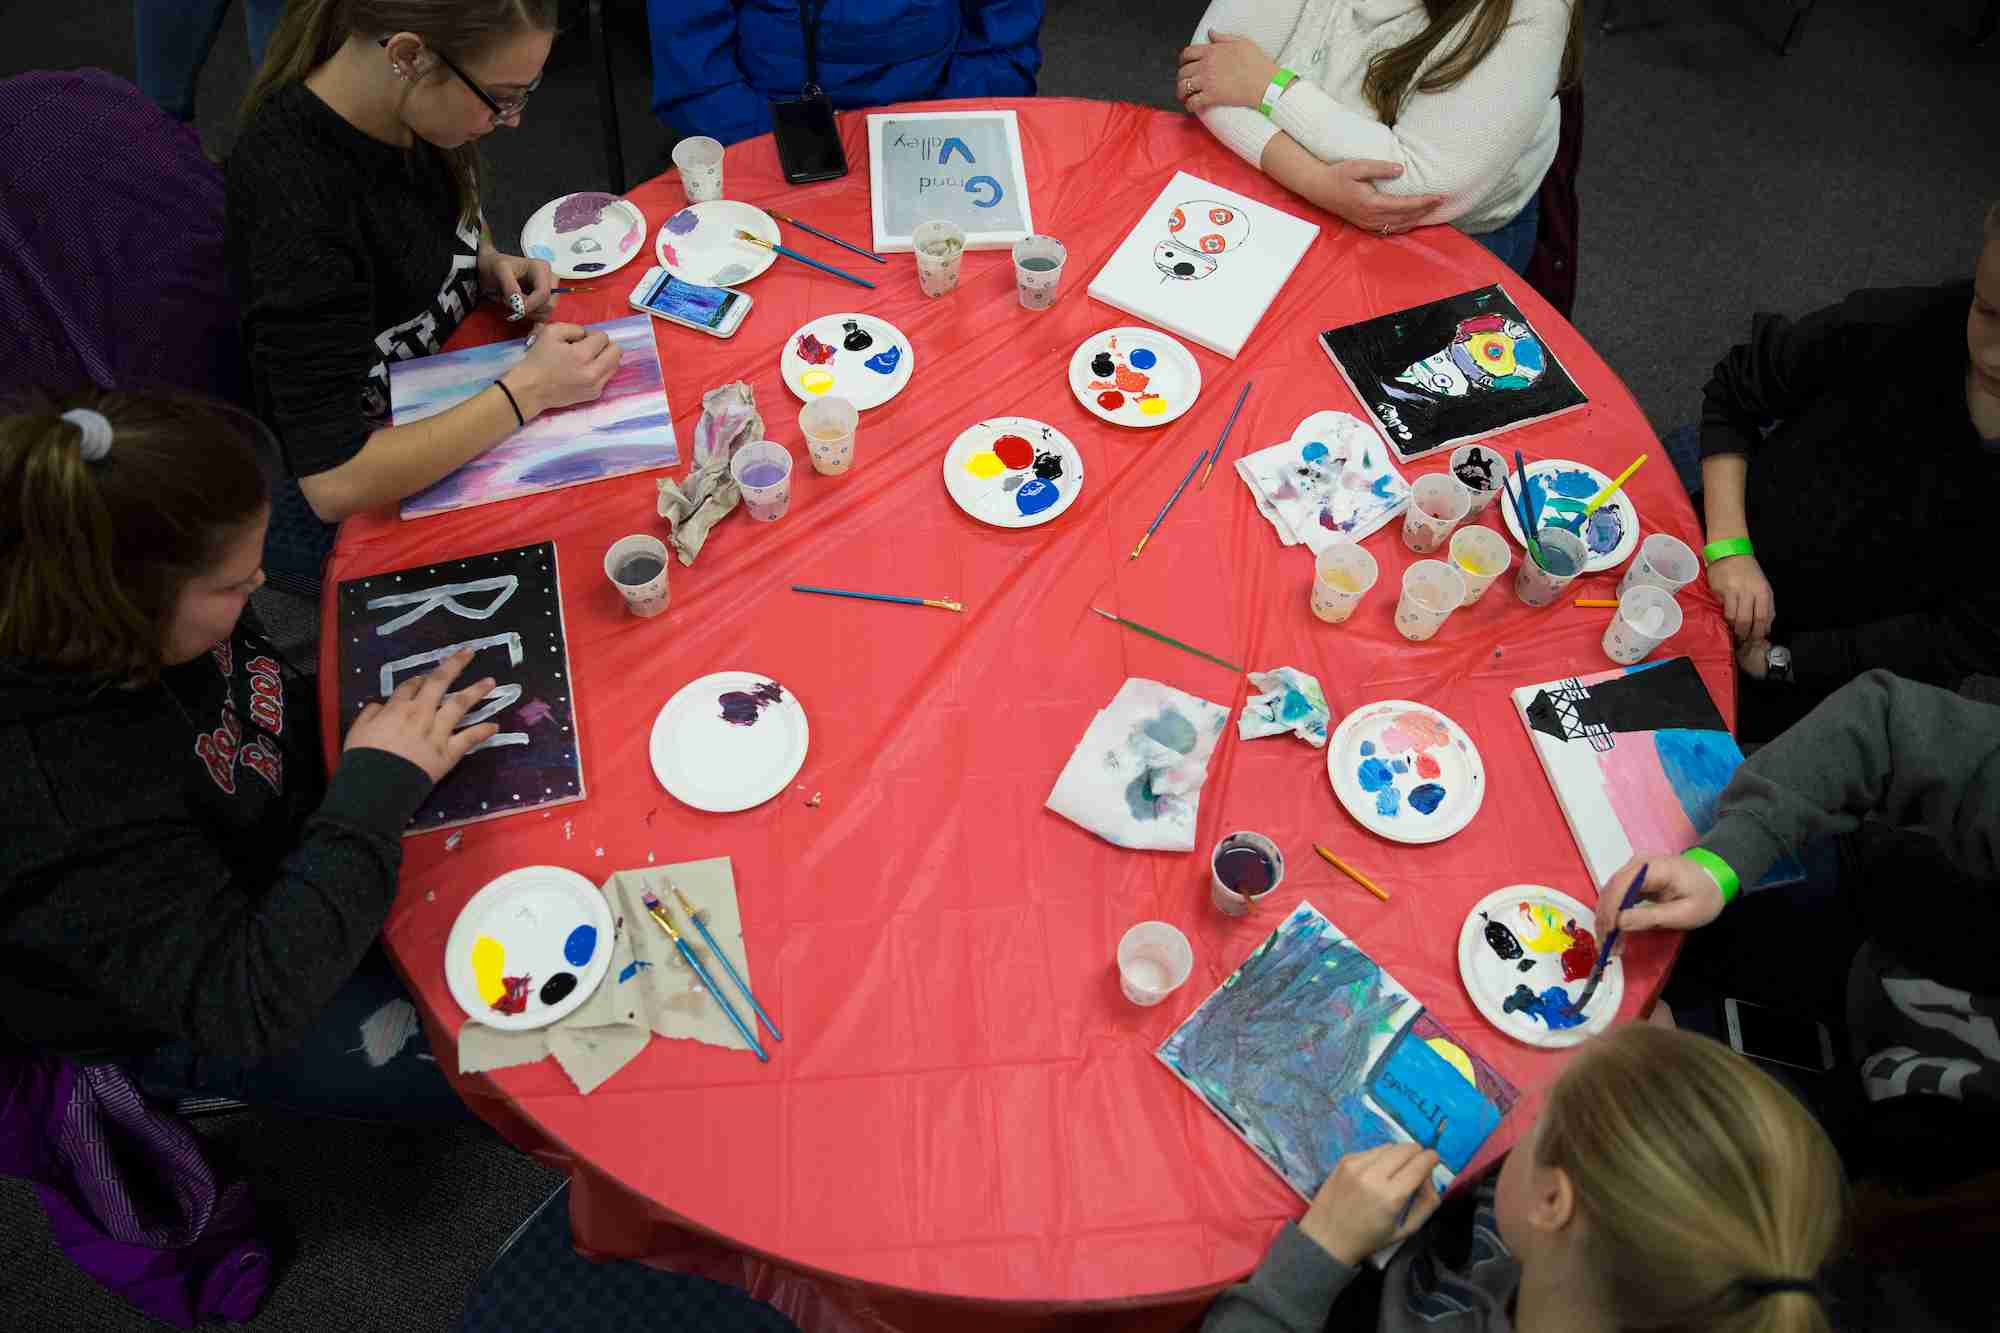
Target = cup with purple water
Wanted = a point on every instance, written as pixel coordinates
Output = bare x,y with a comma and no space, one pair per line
637,567
1243,868
763,472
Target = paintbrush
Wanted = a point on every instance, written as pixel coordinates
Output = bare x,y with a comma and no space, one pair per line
829,236
1227,426
1350,872
1161,517
944,603
1519,499
807,260
723,958
659,914
1610,940
1611,488
1166,639
1437,1137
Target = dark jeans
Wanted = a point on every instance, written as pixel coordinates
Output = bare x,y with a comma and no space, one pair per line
1513,243
173,38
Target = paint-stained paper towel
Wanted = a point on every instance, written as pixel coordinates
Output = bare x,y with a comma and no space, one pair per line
1332,482
729,420
1135,777
1291,701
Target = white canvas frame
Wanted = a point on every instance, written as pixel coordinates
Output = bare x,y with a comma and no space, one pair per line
887,242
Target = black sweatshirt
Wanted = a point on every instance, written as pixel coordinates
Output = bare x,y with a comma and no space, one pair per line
1870,503
345,253
173,865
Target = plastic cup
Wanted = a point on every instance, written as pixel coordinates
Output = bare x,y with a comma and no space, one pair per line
1662,562
1646,618
1342,575
940,251
1480,555
763,472
1565,555
1153,960
1038,270
828,426
1432,590
1239,863
1482,471
1438,503
700,161
637,566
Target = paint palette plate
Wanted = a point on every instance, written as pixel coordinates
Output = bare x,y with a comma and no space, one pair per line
1560,489
1529,924
728,741
1134,377
860,358
699,244
539,922
585,235
1013,472
1406,771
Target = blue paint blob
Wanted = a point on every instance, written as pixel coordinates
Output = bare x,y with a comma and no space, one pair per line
1387,802
885,361
1382,487
1698,765
1035,495
1572,483
1426,797
541,252
1367,747
1374,775
1399,766
1142,358
1295,706
1552,1006
1313,452
580,945
1171,730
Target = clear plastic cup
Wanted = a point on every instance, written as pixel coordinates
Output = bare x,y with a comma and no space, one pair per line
1480,555
1646,618
1482,471
763,472
700,161
1432,590
1565,555
1153,960
1438,503
1236,860
1038,270
940,251
637,567
1662,562
828,427
1341,576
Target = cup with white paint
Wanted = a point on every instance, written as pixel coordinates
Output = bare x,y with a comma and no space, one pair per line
762,470
1038,270
1432,590
828,425
940,250
1480,555
1662,562
1646,618
1438,503
1153,960
1483,473
1563,557
637,567
1342,575
700,161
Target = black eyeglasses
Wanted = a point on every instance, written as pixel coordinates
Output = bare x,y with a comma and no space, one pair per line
501,109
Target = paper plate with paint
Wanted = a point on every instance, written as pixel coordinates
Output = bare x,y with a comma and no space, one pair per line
1406,771
699,244
585,235
729,741
530,947
1013,472
861,358
1525,955
1134,377
1559,490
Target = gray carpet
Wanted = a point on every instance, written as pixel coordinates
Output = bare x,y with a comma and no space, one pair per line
1718,179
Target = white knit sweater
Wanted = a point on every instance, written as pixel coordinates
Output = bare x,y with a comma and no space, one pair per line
1485,142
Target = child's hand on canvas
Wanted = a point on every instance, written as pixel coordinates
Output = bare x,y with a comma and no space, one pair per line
1226,70
419,721
568,364
1678,895
1355,1212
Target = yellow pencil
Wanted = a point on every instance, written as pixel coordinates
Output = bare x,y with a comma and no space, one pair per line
1596,601
1350,872
1612,489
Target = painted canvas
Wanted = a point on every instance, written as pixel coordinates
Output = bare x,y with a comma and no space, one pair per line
628,429
1204,263
1637,756
952,166
1332,482
1311,1051
1440,374
507,607
1135,778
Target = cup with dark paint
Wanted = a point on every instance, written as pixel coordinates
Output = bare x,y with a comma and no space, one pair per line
940,250
762,470
1243,868
828,425
1154,959
637,567
1563,558
1663,562
1483,473
1038,270
700,161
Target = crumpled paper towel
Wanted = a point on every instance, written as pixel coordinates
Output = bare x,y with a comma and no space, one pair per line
729,420
1332,482
1135,778
1292,701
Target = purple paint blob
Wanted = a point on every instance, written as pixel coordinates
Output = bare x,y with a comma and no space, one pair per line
683,222
763,474
1245,870
741,708
585,209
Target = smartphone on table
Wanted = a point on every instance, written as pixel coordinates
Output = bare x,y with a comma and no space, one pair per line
1763,1033
715,310
809,147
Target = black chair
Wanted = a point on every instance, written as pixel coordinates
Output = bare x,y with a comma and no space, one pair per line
1794,28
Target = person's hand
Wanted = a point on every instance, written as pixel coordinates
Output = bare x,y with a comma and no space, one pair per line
1750,657
568,364
1748,603
1354,1214
1678,895
1350,193
1226,70
419,721
507,276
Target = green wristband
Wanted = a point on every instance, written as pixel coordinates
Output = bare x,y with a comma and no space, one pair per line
1725,878
1279,82
1725,548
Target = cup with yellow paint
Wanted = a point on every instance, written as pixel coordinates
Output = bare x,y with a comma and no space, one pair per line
1342,575
1481,556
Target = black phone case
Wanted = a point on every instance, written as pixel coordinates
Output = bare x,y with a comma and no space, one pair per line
824,104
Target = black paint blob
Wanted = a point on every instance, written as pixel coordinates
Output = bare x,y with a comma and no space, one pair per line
1525,965
1102,365
557,986
858,339
1500,939
1048,466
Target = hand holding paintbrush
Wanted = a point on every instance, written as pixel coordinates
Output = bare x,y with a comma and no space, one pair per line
1372,1199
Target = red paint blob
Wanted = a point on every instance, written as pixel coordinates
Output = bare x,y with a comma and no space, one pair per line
1014,451
515,998
1581,956
1427,767
1111,400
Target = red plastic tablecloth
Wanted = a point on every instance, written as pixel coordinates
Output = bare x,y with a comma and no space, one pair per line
964,1105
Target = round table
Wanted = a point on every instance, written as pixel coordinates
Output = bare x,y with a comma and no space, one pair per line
964,1105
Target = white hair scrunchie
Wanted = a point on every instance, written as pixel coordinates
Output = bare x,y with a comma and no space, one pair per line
95,445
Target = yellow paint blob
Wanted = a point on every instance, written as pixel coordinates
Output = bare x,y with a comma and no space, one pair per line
985,464
489,960
1454,1057
1473,567
1341,581
816,381
1152,405
1550,937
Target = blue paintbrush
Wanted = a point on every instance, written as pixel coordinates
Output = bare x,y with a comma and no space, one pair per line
1610,941
659,914
1160,517
1227,426
1519,499
790,253
829,236
943,603
1437,1137
727,966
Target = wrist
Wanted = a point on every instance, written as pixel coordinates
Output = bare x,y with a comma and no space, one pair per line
1724,547
1719,870
1336,1246
527,398
1280,79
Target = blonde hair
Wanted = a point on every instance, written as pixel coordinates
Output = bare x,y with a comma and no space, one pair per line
1392,75
1697,1177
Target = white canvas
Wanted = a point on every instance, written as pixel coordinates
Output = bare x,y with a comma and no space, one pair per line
952,166
1204,263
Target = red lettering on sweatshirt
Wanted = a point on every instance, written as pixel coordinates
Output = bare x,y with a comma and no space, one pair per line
217,749
225,658
263,759
267,695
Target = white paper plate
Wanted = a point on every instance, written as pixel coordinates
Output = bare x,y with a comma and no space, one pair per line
699,244
540,918
867,374
987,477
1614,527
1134,377
1491,979
588,249
1384,760
712,763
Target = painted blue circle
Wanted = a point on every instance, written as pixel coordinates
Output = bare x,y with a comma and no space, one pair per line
1036,495
1313,452
580,945
1142,358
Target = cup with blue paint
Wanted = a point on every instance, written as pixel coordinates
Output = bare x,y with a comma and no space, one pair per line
1153,960
762,470
637,567
1563,557
1242,870
1038,270
1432,590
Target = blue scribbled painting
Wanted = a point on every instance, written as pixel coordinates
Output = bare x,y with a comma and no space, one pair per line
1310,1051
